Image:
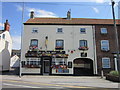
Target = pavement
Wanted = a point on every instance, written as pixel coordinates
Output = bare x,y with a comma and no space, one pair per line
57,82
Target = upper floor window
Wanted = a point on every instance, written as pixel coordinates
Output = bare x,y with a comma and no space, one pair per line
34,42
82,30
3,36
83,45
106,62
104,45
59,44
35,30
59,30
103,30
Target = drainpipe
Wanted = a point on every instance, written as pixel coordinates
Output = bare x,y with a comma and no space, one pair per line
94,44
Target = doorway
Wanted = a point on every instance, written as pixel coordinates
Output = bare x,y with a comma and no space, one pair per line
83,67
46,63
46,66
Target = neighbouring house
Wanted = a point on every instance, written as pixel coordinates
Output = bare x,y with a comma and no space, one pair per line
15,58
67,46
5,47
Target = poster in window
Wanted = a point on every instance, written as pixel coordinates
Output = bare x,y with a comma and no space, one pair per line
69,64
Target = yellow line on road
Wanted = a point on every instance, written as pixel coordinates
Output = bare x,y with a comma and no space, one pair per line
46,84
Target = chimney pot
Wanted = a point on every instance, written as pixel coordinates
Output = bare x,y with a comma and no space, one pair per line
6,26
69,15
32,14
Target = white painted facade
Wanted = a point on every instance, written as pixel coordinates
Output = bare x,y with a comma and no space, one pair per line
71,36
5,50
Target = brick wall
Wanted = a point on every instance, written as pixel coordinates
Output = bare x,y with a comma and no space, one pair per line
119,34
100,54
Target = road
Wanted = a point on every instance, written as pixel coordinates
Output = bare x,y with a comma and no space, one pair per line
58,82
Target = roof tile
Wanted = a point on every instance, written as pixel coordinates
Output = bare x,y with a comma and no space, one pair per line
71,21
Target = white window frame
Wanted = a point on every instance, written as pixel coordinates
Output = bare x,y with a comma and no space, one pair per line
104,32
58,30
85,43
34,30
103,66
57,61
3,36
107,45
82,32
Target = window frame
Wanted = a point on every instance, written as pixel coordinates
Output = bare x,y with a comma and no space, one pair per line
33,40
3,36
34,30
103,66
81,31
61,47
108,45
59,31
84,45
101,31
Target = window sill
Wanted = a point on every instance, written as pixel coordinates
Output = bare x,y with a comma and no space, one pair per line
59,48
105,50
59,33
103,33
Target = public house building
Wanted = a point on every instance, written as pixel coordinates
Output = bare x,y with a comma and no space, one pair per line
68,46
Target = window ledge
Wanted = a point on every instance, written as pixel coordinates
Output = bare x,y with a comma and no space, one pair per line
59,33
105,50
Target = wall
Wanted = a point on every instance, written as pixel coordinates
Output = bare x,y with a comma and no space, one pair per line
5,50
71,36
100,54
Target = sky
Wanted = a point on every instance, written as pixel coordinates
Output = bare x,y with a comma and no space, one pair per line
13,11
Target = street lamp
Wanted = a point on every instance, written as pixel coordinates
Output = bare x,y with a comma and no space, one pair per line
116,36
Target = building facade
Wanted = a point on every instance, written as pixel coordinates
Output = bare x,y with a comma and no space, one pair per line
5,47
66,46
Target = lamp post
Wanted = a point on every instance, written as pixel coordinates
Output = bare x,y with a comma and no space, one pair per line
116,36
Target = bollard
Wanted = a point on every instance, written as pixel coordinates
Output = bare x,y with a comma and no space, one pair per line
102,74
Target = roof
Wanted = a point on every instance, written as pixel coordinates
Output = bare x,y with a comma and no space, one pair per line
72,21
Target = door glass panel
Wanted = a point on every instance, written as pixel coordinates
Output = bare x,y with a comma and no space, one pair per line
46,66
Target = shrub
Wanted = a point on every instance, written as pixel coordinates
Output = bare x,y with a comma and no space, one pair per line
114,73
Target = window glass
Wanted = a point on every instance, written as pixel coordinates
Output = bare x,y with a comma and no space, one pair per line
82,30
34,42
59,30
83,43
59,61
59,44
104,45
103,30
3,36
106,62
35,30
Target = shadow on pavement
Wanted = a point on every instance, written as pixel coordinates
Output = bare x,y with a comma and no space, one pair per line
12,71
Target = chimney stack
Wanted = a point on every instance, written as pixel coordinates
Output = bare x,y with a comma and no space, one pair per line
69,15
6,26
32,14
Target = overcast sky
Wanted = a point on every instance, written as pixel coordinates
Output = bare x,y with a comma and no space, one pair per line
12,11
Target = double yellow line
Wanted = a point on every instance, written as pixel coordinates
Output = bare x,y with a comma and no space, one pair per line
46,84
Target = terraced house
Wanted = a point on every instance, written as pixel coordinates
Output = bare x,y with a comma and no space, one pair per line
67,46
